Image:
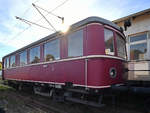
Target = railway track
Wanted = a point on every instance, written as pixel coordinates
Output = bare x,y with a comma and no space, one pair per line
42,104
35,104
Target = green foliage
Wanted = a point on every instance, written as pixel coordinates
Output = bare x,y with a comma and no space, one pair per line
0,65
5,88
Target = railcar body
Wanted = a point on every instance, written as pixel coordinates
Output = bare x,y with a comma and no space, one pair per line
91,54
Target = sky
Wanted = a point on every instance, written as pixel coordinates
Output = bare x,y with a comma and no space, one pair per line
15,34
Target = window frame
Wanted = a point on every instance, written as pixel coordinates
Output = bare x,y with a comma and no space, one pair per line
116,33
114,41
138,42
25,50
10,65
81,28
57,38
28,53
5,63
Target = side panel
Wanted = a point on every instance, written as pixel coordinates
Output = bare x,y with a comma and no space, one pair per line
98,71
95,40
70,71
63,47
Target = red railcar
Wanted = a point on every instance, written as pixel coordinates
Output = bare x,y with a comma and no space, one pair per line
90,55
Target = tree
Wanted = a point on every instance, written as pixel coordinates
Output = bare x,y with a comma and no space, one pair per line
0,65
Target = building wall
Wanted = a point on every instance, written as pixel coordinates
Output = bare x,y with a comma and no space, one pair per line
139,24
139,70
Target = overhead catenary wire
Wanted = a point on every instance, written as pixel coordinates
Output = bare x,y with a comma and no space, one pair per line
29,23
62,18
53,9
29,8
59,5
18,34
43,16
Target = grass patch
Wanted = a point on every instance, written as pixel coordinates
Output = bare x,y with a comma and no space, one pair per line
5,88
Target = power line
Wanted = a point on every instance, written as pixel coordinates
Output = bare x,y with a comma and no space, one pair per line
17,23
59,5
18,34
43,17
29,8
54,9
62,18
29,23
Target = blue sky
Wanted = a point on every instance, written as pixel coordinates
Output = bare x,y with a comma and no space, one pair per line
73,10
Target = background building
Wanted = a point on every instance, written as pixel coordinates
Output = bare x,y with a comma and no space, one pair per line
138,44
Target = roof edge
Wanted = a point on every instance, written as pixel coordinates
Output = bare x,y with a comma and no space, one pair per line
132,15
72,27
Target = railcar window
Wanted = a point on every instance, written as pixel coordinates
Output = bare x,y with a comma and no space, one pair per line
7,62
109,42
52,50
121,46
75,44
13,61
23,58
35,55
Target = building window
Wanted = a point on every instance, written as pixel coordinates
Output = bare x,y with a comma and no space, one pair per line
75,44
23,58
35,55
138,51
138,37
52,50
109,42
13,61
138,47
121,46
